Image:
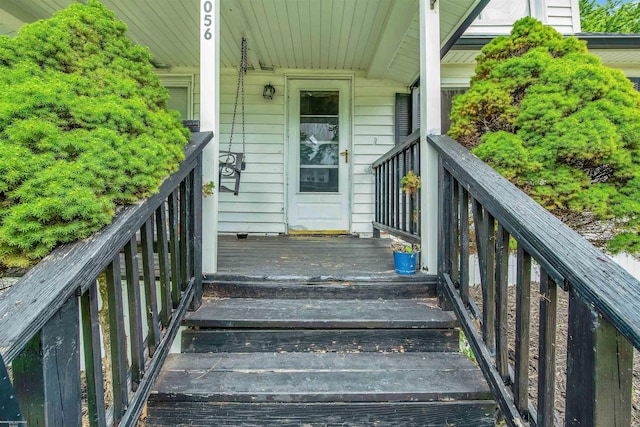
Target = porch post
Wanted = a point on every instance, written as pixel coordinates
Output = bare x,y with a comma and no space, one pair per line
430,116
210,121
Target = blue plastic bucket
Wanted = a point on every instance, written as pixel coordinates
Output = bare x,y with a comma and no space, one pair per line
405,262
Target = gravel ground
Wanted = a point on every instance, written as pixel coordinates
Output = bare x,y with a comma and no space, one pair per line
561,351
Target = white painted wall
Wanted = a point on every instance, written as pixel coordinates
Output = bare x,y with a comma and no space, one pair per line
260,206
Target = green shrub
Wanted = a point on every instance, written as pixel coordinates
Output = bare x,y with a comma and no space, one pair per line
83,128
561,126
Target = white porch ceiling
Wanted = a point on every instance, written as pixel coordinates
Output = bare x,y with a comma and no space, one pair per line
380,37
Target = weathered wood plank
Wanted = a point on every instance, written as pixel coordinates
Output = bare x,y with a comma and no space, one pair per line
27,307
308,258
500,392
319,377
136,340
464,244
489,284
183,231
61,365
477,413
9,408
47,372
196,224
151,297
455,230
523,327
547,239
284,313
320,290
344,340
600,373
139,400
163,264
174,248
444,227
28,380
117,338
93,357
547,351
502,305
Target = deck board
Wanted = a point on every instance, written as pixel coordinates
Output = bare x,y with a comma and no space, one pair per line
324,377
285,313
306,258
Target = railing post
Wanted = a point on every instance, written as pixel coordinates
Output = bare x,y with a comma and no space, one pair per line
197,233
47,372
444,229
93,357
184,228
9,408
547,350
599,369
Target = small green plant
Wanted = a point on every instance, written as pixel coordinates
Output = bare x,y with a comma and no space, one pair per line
208,188
465,347
404,247
410,183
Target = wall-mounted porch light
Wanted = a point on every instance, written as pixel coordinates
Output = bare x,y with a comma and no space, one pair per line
268,91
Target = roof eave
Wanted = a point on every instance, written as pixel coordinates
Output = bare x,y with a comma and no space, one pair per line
594,41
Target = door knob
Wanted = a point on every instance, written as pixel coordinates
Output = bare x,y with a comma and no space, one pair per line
345,153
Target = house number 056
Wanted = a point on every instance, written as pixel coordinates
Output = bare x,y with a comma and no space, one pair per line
208,7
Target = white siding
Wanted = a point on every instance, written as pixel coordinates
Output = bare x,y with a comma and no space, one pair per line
260,206
563,15
373,135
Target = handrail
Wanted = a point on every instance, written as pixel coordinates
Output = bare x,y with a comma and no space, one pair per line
396,212
565,255
36,310
474,200
406,143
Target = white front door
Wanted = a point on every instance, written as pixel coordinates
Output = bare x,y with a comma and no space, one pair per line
319,156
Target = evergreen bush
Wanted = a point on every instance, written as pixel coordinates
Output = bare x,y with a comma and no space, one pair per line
83,129
565,129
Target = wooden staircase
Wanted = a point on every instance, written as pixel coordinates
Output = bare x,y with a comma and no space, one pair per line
321,354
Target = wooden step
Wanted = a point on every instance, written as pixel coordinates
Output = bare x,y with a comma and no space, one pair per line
298,388
471,413
321,290
319,314
320,340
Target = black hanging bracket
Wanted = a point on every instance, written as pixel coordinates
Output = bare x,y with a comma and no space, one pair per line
231,166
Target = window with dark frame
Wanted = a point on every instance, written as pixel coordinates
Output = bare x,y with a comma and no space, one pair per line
407,118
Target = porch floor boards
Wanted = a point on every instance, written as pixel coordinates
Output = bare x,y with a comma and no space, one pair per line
337,258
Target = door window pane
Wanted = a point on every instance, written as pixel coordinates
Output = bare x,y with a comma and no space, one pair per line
319,180
319,103
319,141
318,129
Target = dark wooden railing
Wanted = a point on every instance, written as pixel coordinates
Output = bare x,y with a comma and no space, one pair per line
395,211
604,300
50,318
